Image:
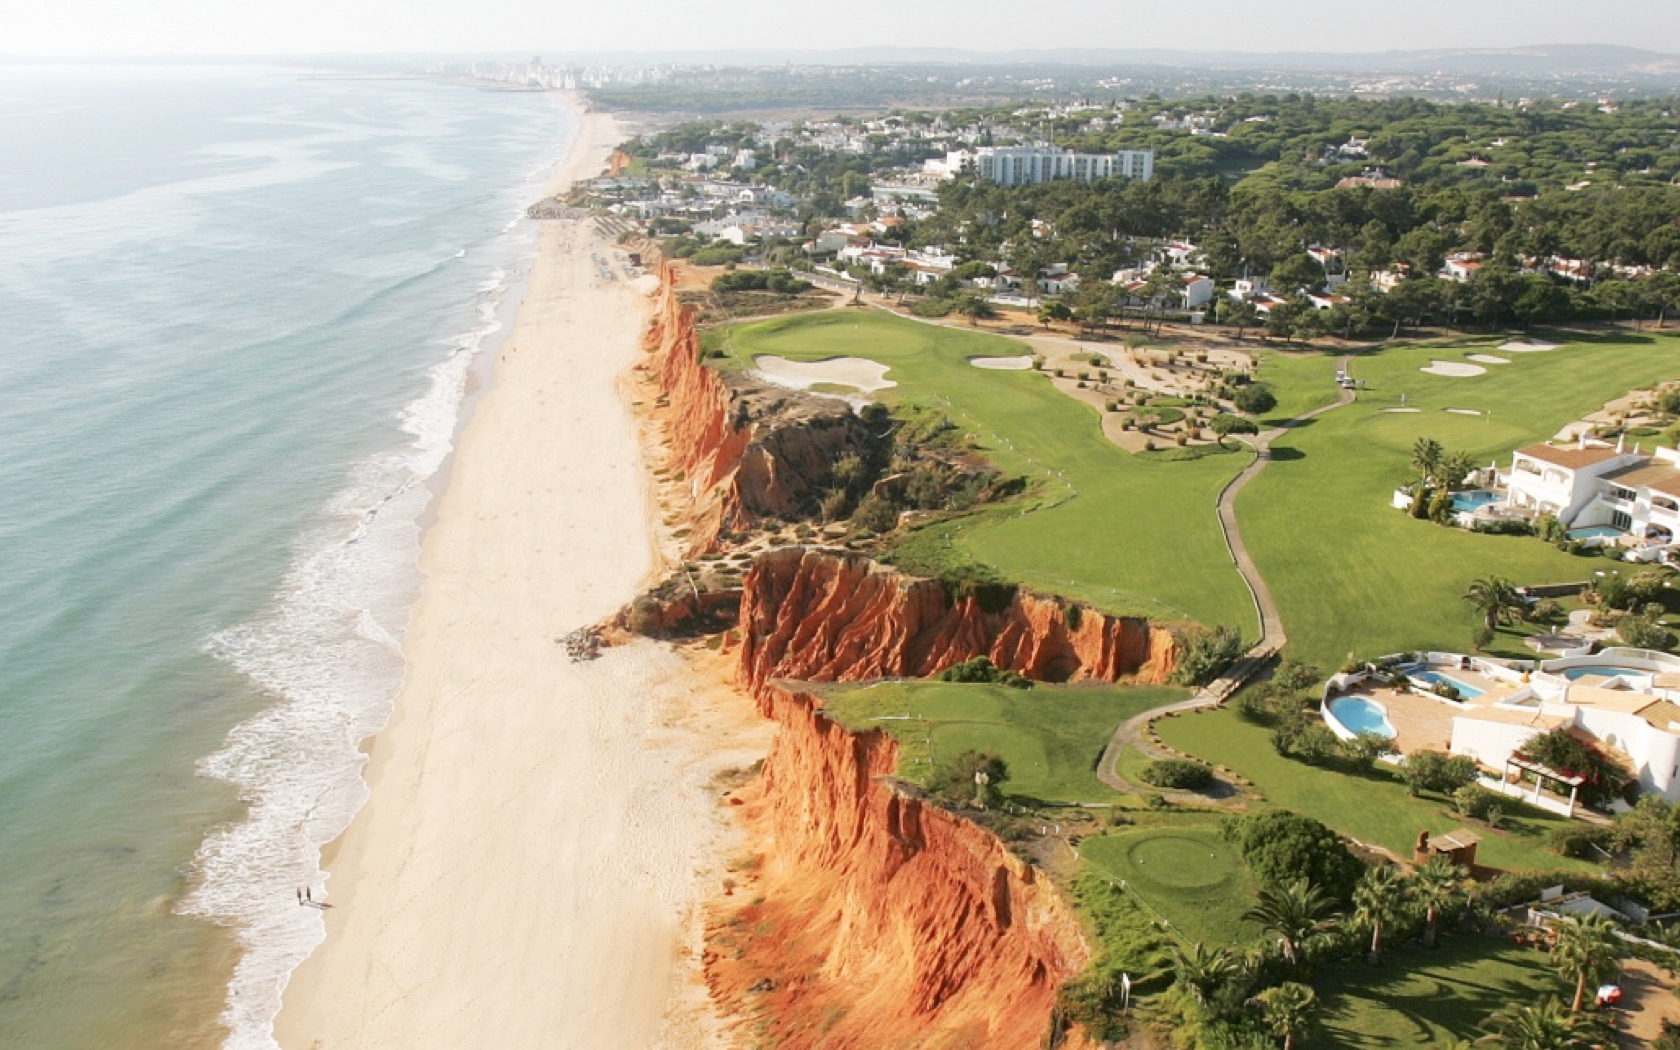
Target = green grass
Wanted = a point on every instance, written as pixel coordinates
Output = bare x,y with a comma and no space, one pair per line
1051,736
1187,874
1301,381
1420,996
1350,574
1375,808
1128,534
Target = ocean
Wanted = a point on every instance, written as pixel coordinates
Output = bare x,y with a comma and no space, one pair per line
241,310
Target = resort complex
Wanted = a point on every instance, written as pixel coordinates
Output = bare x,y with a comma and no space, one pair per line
1622,700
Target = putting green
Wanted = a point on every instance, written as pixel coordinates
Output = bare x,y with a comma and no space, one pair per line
1186,873
1181,861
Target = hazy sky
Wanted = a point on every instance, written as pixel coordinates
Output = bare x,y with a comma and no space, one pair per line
553,26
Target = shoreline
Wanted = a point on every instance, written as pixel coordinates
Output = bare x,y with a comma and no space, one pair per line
539,835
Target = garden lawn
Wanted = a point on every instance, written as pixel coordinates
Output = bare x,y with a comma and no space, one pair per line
1125,533
1301,382
1351,574
1420,996
1051,736
1376,808
1186,874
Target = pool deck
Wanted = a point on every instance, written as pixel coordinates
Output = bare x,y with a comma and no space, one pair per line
1424,722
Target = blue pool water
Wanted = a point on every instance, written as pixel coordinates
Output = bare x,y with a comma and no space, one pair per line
1463,502
1423,674
1573,673
1595,532
1362,716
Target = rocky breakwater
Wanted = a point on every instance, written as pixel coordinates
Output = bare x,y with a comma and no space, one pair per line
821,615
876,919
743,449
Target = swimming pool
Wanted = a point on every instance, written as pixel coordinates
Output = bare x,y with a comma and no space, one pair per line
1596,532
1424,674
1573,673
1359,715
1476,499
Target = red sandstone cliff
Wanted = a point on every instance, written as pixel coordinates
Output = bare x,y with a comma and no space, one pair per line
879,920
824,616
745,450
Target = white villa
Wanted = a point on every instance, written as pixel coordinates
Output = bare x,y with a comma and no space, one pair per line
1592,485
1626,700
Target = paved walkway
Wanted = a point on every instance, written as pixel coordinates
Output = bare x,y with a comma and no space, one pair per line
1134,732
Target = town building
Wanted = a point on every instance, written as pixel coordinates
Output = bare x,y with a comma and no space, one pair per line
1031,165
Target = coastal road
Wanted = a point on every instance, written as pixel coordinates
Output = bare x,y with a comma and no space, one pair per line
1134,732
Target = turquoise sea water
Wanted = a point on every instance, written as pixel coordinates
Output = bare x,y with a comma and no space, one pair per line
239,310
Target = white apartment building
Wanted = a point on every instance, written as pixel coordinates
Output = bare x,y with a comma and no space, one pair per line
1592,484
1031,165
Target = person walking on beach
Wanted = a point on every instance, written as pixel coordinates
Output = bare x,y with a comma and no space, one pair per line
300,896
309,894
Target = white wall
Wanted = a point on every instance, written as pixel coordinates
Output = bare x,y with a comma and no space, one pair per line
1489,743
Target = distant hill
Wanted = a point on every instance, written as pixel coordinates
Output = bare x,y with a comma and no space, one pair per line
1541,59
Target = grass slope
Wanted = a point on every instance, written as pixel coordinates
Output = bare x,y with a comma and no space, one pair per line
1352,575
1420,997
1051,736
1375,809
1123,532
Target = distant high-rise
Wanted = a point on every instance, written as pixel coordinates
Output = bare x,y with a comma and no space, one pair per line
1030,165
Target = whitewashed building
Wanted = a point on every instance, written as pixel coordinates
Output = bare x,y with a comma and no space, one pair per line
1031,165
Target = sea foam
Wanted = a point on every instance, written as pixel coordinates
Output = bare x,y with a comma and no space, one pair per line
329,654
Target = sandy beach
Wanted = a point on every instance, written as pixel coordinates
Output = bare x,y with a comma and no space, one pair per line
540,832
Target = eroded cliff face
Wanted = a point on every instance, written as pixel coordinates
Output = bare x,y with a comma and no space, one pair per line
823,616
746,450
878,920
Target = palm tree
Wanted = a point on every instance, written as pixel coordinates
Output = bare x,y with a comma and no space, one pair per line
1522,1026
1495,597
1202,971
1288,1008
1436,886
1586,950
1426,457
1377,901
1298,913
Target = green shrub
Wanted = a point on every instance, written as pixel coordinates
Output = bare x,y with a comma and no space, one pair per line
1581,841
1203,653
981,669
1437,771
1178,773
932,306
1281,846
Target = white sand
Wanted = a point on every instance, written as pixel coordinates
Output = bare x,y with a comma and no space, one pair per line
1464,411
1003,364
1487,359
1401,410
526,872
856,372
1452,368
1527,346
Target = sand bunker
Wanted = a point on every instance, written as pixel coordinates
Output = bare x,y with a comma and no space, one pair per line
1487,359
1452,368
856,372
1400,410
1527,346
1464,411
1003,364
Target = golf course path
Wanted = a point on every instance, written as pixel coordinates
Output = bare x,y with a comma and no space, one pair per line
1134,732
